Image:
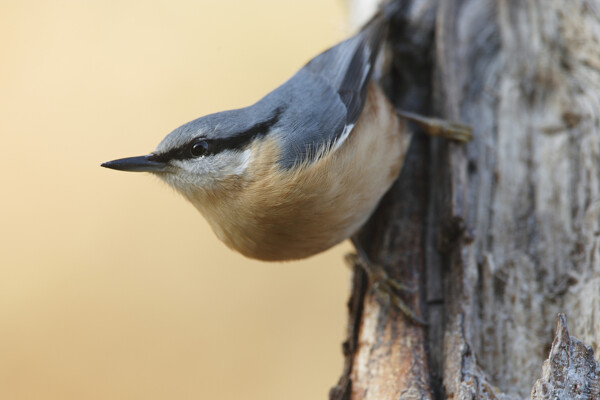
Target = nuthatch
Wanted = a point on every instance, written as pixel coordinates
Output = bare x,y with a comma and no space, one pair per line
300,170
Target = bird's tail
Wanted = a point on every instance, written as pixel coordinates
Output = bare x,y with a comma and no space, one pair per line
392,9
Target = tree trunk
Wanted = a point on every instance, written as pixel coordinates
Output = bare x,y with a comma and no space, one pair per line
499,235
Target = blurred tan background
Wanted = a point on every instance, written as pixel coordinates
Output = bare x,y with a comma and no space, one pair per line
111,285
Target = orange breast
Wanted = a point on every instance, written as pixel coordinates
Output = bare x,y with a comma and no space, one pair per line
283,215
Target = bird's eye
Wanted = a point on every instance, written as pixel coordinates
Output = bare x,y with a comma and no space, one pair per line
199,148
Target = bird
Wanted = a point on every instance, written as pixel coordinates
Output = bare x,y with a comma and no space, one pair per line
304,167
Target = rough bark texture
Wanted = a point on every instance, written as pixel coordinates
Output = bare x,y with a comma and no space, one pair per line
571,371
500,234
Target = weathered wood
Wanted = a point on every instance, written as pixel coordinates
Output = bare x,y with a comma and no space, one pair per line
571,371
504,232
525,75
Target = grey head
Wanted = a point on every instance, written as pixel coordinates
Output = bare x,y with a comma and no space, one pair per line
206,150
316,109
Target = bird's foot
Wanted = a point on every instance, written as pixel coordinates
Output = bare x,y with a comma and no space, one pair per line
439,127
387,290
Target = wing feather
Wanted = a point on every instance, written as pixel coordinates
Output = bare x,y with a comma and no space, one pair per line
326,97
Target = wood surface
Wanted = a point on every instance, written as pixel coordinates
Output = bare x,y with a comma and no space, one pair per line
499,235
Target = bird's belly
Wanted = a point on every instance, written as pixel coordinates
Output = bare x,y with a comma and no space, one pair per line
287,216
300,233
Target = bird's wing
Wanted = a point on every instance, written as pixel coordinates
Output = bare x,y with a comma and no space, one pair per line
323,101
348,67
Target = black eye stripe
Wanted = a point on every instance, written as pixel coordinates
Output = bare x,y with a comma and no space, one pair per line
215,146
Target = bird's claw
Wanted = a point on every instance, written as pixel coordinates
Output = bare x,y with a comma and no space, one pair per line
439,127
385,287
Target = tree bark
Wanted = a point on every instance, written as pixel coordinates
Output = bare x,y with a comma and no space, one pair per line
498,235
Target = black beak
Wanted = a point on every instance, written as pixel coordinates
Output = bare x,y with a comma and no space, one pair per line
136,164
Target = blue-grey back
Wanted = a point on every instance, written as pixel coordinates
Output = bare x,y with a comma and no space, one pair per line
324,100
315,109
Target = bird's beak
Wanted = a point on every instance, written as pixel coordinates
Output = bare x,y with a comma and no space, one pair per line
136,164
